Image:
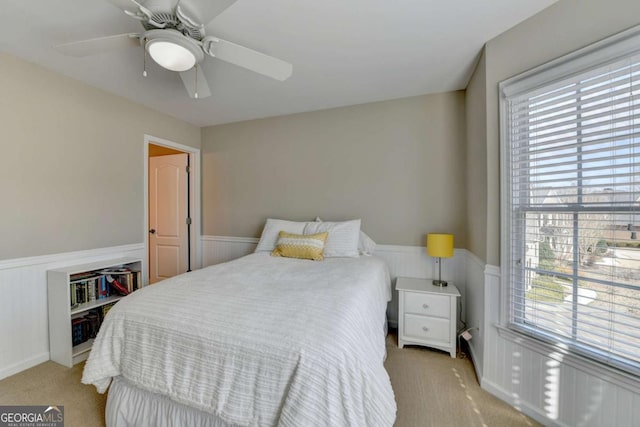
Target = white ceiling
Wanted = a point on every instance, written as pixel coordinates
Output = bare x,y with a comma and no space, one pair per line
343,52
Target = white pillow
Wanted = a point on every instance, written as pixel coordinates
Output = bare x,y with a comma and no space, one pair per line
343,237
366,245
271,229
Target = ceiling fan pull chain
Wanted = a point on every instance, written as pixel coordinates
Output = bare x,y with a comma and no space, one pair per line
144,60
196,91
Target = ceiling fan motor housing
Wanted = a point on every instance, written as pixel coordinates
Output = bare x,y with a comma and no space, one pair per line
169,20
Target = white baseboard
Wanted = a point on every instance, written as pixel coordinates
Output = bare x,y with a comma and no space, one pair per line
7,371
524,407
475,360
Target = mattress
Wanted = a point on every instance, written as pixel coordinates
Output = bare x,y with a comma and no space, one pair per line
258,341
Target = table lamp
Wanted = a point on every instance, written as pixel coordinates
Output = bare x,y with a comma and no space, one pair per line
440,246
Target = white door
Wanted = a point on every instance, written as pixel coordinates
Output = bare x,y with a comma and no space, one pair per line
167,216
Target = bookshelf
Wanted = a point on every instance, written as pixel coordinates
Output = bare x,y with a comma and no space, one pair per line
72,301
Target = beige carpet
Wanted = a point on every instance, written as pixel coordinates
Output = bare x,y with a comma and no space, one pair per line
53,384
431,389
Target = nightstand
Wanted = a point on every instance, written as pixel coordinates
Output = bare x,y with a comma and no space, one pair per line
427,314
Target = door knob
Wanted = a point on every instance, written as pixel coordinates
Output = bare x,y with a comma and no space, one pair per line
152,231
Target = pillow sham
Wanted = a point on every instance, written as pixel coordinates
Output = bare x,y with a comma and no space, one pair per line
343,237
302,246
366,245
272,228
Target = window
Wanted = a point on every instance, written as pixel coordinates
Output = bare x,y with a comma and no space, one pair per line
571,201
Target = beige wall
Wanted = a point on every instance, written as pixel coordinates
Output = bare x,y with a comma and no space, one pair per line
71,162
398,165
476,175
562,28
476,116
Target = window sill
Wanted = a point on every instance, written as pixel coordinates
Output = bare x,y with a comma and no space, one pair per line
561,354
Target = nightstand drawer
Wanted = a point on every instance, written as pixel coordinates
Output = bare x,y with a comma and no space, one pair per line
426,328
426,304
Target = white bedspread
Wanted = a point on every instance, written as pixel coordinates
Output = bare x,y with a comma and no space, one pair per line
259,341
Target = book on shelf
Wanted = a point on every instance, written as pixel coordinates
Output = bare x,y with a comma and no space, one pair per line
137,280
96,285
115,284
91,290
84,276
73,298
120,279
85,291
105,308
78,330
115,271
126,280
85,327
104,288
93,324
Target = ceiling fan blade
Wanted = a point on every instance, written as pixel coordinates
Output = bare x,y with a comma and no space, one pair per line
189,79
125,4
203,11
99,45
249,59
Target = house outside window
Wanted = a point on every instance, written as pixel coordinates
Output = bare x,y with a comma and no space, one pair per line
571,202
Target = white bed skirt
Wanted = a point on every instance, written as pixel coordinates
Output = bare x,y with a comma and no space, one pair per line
129,406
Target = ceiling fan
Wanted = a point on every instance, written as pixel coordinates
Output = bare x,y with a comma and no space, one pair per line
175,39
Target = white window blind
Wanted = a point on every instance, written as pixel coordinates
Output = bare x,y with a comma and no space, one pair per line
573,208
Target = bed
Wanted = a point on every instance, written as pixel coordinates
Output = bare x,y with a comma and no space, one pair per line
259,341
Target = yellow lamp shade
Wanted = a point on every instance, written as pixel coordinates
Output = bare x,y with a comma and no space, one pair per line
440,245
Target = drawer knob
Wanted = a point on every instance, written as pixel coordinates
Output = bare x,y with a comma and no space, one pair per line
425,306
424,328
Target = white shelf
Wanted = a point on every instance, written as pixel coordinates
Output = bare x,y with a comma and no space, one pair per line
98,265
95,304
82,347
61,347
81,351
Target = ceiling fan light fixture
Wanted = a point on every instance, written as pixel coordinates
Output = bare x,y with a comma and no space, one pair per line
171,56
172,50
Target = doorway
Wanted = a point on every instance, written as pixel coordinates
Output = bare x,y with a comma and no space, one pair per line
172,223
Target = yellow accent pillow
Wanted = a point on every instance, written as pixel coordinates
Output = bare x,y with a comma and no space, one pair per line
303,246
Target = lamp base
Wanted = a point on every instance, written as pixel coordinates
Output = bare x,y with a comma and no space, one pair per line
439,283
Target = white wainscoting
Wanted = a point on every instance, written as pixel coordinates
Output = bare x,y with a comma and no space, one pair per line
24,323
544,384
217,249
475,279
408,261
